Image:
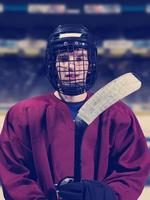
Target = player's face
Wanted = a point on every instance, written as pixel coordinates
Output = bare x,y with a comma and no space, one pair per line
73,66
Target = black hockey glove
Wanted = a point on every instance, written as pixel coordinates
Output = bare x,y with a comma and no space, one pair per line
52,195
71,191
98,191
86,190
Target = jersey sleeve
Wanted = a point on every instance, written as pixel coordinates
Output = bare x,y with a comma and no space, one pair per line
18,181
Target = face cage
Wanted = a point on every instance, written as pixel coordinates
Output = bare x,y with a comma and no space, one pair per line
65,76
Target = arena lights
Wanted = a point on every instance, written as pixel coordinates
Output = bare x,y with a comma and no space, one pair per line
8,47
1,8
102,9
88,9
120,47
118,44
148,9
46,8
51,9
30,47
27,47
116,48
73,11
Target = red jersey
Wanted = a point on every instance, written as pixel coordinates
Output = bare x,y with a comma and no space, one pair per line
37,149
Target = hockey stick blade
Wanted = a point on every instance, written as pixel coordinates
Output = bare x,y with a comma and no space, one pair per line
99,102
114,91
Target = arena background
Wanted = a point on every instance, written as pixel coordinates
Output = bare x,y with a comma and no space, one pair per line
122,31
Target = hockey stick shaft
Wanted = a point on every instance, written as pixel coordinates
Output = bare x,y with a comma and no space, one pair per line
80,127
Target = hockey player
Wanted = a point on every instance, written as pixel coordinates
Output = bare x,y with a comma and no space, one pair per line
37,139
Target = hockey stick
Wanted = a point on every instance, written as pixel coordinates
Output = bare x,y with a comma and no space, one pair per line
99,102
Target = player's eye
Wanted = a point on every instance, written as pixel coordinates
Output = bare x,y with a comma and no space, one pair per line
79,58
63,58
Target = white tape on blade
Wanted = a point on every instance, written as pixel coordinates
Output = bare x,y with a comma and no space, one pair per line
108,95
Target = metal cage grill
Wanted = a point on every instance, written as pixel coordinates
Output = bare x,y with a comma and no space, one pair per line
71,64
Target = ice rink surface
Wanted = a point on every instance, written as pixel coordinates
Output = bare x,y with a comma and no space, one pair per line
144,119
